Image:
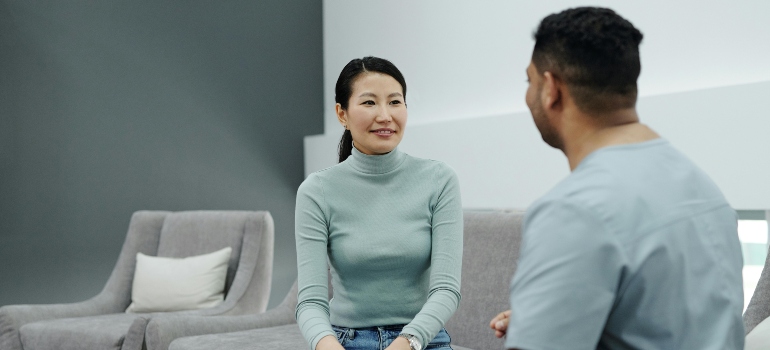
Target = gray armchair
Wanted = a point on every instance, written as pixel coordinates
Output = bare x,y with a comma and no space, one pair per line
101,322
756,319
490,253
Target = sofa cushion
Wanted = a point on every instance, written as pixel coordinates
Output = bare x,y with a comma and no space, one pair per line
490,253
286,337
175,284
96,332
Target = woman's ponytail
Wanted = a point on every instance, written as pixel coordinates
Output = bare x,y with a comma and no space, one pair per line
346,145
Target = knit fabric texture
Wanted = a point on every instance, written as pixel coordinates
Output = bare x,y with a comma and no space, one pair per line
391,229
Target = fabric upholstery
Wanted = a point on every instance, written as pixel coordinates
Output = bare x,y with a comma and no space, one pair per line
97,332
175,284
164,234
189,233
282,337
249,291
162,331
490,253
759,306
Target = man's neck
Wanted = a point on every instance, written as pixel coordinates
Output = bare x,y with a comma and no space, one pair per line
586,134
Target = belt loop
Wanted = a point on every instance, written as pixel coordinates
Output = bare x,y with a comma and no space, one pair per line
351,333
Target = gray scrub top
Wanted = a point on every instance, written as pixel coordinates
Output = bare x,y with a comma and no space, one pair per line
636,249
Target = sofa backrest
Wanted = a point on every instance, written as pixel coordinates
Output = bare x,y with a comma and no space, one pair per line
190,233
491,245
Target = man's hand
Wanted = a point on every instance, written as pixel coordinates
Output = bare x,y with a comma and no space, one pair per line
500,323
329,343
399,344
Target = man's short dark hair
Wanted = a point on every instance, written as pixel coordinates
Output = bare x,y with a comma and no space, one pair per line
595,52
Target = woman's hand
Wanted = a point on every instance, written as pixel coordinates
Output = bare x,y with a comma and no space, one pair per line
500,323
399,344
330,343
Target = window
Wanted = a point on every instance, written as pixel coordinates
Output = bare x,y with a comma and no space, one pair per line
753,236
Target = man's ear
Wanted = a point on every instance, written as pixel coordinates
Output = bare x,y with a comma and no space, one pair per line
553,92
342,115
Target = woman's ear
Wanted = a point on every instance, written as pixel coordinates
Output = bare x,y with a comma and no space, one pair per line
342,116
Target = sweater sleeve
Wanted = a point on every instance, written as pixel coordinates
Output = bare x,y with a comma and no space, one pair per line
311,235
446,261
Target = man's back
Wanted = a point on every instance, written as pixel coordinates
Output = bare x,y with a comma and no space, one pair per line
636,249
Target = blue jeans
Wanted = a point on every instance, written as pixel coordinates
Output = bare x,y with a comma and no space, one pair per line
378,338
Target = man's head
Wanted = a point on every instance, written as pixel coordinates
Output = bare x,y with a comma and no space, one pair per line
594,54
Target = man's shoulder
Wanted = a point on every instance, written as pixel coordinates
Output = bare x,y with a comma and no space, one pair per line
576,200
593,185
635,188
599,192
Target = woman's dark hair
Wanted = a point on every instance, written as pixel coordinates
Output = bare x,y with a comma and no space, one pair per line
344,89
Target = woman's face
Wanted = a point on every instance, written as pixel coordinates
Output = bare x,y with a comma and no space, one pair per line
376,113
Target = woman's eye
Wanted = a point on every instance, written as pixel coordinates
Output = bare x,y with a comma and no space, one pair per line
369,102
395,102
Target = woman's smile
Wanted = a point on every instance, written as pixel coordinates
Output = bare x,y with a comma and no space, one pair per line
384,132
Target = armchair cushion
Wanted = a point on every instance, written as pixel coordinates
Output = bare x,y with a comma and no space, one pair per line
161,331
96,332
281,337
173,284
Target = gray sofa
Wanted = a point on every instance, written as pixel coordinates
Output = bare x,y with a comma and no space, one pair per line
756,319
101,322
491,246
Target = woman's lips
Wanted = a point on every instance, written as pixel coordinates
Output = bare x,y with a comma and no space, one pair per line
383,132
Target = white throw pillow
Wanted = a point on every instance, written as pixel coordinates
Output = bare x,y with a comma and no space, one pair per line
173,284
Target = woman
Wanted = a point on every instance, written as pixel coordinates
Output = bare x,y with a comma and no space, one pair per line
388,224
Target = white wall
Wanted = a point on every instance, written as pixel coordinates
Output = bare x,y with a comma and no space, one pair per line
705,74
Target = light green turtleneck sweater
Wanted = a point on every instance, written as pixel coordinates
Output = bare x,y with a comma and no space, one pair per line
391,228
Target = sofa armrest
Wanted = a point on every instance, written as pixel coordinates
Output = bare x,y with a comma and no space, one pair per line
161,331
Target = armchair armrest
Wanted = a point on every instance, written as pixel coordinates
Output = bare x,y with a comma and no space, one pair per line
13,317
161,331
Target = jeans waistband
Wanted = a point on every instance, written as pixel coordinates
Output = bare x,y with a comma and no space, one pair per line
394,327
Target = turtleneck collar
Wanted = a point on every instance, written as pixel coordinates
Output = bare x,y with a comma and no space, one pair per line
376,164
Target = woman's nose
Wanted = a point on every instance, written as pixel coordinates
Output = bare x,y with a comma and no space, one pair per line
383,115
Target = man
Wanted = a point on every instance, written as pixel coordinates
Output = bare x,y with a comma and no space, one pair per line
637,248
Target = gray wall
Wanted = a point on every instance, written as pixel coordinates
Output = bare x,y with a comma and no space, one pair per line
108,107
